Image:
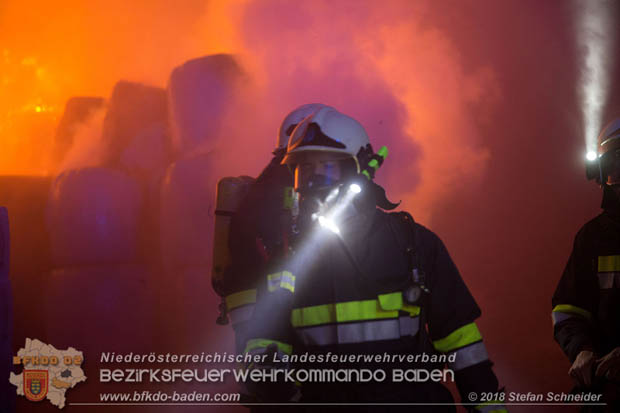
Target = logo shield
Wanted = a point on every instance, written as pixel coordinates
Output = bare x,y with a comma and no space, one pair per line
35,384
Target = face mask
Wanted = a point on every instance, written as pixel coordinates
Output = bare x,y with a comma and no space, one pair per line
317,185
333,207
315,200
316,191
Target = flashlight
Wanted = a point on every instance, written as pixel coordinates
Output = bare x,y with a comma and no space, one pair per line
328,222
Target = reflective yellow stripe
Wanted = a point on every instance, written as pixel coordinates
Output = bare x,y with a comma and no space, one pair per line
263,343
241,298
283,279
460,337
391,301
386,306
493,406
288,198
277,275
413,310
361,310
609,263
571,309
311,316
287,286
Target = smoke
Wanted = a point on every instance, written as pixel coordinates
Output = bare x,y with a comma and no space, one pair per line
383,64
88,147
594,34
439,97
378,63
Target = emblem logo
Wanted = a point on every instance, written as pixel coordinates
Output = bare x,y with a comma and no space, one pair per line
35,384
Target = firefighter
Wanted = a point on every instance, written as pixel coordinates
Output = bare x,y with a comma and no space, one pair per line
258,229
363,282
586,303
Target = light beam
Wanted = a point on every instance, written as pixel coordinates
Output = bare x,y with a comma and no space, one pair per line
594,26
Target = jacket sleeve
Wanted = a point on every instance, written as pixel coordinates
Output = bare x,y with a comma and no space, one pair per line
255,233
452,312
575,300
241,278
240,302
269,334
271,320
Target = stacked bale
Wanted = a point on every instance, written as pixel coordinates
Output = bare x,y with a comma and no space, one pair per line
200,93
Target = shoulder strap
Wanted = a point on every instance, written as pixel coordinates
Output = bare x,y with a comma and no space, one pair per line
399,221
411,244
418,276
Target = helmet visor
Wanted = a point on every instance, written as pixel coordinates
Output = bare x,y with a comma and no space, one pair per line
310,134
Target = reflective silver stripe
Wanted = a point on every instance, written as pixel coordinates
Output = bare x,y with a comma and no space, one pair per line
608,280
468,356
241,314
391,329
492,408
318,336
558,316
409,326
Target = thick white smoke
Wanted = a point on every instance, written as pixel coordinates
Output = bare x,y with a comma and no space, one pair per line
594,35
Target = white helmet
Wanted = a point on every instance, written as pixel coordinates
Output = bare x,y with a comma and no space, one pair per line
328,130
292,120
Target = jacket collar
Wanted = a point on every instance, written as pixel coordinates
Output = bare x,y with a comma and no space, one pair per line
611,202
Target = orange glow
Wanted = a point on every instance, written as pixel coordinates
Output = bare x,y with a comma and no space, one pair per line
52,51
382,57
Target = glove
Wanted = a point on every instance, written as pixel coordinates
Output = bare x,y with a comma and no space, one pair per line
581,370
609,365
266,391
